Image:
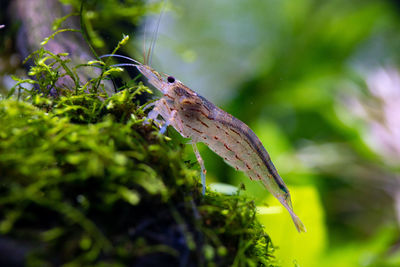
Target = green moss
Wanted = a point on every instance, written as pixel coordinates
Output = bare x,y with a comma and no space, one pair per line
85,180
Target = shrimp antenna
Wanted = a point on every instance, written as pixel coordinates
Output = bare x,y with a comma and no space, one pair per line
144,42
155,35
121,56
124,65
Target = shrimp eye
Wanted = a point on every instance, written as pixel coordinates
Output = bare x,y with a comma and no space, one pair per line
171,79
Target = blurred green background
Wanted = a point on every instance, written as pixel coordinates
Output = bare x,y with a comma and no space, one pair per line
317,81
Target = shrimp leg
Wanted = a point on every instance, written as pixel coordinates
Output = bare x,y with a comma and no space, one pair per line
149,105
203,169
153,114
168,122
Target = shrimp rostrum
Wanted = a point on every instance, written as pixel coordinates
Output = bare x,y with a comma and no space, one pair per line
196,118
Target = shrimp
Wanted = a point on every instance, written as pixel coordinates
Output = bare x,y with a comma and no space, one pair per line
196,118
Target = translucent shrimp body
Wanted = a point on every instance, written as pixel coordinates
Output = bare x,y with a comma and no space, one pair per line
196,118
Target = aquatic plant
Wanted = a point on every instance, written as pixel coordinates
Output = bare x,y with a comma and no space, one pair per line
84,180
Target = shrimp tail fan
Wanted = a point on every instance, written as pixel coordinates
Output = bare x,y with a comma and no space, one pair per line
297,222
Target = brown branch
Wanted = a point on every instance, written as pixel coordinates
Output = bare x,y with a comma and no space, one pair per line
36,18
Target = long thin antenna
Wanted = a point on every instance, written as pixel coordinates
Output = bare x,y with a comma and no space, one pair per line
155,35
124,65
144,42
121,56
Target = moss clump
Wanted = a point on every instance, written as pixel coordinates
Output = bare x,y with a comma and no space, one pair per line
84,181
